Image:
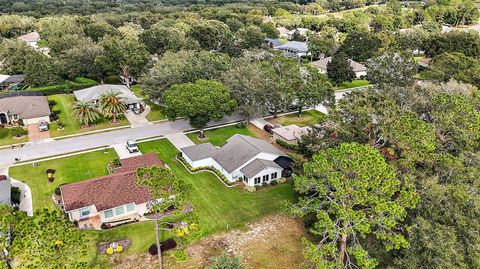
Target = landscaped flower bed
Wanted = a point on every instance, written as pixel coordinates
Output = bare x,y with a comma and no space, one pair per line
203,168
114,247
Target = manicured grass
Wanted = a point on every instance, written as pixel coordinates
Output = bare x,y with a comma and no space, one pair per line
217,205
64,104
353,84
156,112
6,138
68,169
309,117
218,137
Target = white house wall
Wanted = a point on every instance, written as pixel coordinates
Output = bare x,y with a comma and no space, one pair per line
266,171
360,74
36,120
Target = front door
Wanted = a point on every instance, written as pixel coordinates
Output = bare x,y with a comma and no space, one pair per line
3,118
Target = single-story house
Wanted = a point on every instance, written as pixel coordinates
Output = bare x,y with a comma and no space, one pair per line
94,93
14,82
294,49
359,69
302,31
283,32
111,199
31,38
5,190
424,62
31,109
290,134
245,158
273,43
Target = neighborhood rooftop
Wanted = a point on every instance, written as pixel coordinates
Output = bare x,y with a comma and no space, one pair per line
30,37
112,190
294,46
322,64
256,166
94,93
290,132
26,106
201,151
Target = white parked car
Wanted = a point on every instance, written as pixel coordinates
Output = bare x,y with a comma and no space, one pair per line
42,125
132,146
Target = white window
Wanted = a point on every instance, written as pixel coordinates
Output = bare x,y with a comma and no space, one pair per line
130,207
265,178
84,212
108,213
119,210
273,175
257,180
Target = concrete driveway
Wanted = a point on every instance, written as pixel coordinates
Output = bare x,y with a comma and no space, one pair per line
137,119
34,133
180,140
123,152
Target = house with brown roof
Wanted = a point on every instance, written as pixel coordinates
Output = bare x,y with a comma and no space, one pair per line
31,38
359,69
30,109
111,199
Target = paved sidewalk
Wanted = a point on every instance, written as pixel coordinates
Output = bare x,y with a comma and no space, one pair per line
259,123
180,140
26,201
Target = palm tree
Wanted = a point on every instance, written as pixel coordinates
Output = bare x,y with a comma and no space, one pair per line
85,112
111,104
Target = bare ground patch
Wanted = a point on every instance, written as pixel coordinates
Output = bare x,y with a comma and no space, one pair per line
273,242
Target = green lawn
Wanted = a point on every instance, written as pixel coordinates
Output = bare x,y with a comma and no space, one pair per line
218,137
64,104
69,169
216,205
309,117
156,112
353,84
6,138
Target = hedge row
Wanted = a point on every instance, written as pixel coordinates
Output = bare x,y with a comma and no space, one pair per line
66,87
202,168
286,145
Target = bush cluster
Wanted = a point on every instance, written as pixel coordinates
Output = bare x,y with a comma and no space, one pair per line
286,145
66,87
18,131
203,168
250,188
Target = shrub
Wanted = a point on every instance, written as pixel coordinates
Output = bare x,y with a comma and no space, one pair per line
119,249
250,188
57,190
52,103
18,131
273,182
241,125
164,246
281,180
264,184
117,162
286,145
60,124
15,195
209,168
53,116
66,87
109,251
20,122
180,255
226,261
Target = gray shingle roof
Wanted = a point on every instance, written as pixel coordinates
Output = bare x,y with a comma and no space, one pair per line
240,149
322,64
294,46
30,37
199,152
256,166
27,107
94,93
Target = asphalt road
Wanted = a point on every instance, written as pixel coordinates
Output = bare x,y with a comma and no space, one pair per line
80,143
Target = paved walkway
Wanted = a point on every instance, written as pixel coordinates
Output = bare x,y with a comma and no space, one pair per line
26,201
180,140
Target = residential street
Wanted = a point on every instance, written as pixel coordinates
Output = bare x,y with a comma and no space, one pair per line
79,143
57,147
